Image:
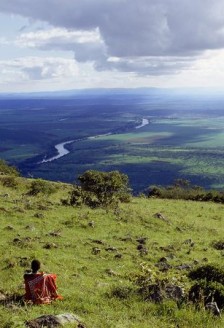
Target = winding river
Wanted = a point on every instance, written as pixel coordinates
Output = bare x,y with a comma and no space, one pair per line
62,151
145,122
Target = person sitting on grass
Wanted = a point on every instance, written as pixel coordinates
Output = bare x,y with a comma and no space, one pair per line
40,288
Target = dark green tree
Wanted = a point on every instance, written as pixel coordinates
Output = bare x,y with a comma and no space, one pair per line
104,188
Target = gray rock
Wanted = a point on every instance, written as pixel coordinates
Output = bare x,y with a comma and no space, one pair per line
50,246
158,292
155,293
163,266
96,250
188,241
141,240
142,249
170,256
161,217
39,215
174,292
196,262
97,241
9,227
29,227
68,318
184,266
127,238
51,321
3,297
110,272
54,234
111,249
213,308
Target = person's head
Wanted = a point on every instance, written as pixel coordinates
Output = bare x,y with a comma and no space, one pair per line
35,266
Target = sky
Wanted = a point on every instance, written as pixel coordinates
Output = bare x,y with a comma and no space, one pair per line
48,45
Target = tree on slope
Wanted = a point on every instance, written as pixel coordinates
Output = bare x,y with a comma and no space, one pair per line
103,188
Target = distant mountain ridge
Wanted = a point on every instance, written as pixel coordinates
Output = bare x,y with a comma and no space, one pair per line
109,91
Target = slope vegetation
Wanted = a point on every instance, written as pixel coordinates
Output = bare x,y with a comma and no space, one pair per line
106,259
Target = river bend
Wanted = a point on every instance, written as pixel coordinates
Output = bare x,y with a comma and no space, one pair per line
62,150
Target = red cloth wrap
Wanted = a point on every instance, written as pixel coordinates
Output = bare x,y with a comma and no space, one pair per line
41,288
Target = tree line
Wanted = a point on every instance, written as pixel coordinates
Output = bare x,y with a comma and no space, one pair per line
104,189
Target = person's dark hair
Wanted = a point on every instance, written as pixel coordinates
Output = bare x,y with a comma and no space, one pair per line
35,266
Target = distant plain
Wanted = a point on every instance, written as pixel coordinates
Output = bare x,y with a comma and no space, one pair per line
184,137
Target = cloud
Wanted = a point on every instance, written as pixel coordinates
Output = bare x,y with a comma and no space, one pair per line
144,36
86,45
58,38
36,68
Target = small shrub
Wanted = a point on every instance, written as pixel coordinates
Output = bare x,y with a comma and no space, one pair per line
209,286
210,273
182,189
41,186
9,181
121,292
155,191
6,169
219,245
65,202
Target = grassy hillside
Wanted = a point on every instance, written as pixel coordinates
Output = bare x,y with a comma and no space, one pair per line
98,260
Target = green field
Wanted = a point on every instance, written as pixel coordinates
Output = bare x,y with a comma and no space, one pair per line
101,287
157,154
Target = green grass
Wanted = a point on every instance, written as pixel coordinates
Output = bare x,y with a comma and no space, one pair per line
138,137
86,280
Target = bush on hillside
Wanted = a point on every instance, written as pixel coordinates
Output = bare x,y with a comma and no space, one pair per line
219,245
209,272
41,186
9,181
101,189
209,286
6,169
181,189
121,292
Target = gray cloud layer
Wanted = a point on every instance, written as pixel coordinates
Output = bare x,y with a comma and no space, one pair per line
146,36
